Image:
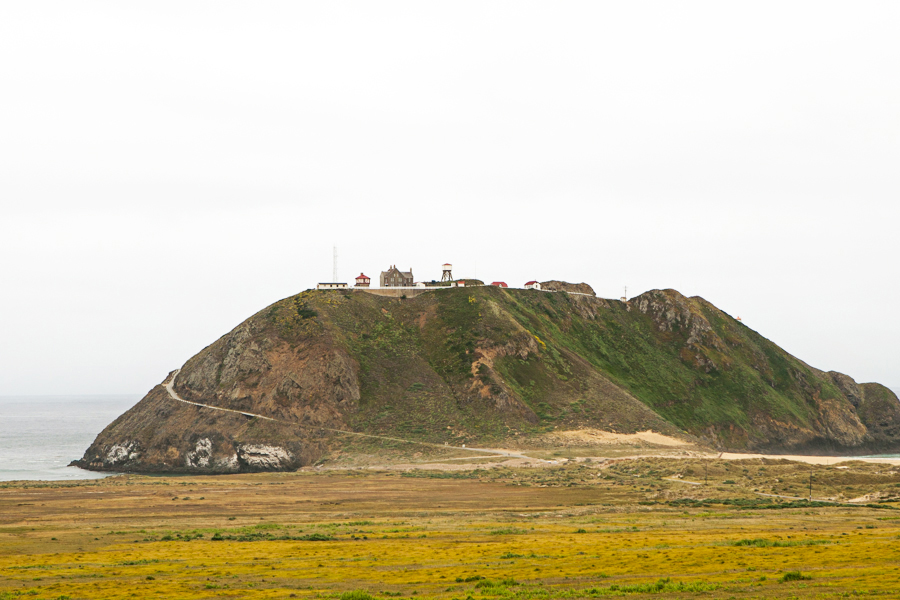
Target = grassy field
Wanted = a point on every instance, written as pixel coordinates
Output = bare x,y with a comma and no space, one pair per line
580,530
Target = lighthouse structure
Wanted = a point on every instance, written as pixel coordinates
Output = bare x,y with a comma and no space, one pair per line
447,273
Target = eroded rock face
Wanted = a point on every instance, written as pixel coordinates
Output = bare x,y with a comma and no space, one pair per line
489,385
249,371
119,454
675,314
199,457
848,387
879,409
112,456
259,457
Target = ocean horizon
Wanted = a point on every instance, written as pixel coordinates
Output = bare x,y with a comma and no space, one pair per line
41,435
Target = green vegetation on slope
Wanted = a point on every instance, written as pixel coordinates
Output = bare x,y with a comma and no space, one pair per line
486,360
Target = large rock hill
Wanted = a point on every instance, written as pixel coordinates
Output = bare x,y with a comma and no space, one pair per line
487,366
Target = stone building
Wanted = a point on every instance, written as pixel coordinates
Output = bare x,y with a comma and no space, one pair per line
394,277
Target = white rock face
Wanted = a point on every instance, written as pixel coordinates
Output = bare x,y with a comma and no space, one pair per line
259,456
199,457
123,452
229,464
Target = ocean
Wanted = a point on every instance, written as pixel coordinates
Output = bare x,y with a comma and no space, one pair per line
41,435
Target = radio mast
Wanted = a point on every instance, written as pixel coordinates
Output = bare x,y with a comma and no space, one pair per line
334,270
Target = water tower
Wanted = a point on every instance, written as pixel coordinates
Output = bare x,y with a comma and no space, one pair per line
447,274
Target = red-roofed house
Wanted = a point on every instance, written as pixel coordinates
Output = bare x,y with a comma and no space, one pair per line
532,285
500,284
363,280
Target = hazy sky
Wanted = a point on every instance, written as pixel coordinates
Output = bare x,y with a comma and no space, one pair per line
169,168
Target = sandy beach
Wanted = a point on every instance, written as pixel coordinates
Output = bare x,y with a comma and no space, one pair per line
813,460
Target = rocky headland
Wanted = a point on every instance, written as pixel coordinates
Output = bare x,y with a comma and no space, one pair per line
490,367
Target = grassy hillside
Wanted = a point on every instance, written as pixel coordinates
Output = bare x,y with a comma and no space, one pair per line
484,365
488,359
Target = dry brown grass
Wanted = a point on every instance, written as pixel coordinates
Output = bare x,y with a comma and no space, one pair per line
568,531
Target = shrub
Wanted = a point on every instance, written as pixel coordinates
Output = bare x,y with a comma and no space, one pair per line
316,537
763,543
356,595
794,576
487,583
507,531
660,586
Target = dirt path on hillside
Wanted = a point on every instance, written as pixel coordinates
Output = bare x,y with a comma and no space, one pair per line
170,388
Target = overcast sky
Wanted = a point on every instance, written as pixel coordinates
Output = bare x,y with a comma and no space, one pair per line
169,168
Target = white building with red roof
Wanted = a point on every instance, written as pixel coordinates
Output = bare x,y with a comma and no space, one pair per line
532,285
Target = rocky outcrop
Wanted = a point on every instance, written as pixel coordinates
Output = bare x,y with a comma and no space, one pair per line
879,410
672,313
848,387
123,453
489,384
259,457
200,456
564,286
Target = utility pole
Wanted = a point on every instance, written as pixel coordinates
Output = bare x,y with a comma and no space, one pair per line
705,473
810,481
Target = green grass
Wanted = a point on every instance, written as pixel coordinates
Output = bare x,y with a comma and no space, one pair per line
469,365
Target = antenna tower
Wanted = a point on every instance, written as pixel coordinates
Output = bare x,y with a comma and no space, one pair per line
334,266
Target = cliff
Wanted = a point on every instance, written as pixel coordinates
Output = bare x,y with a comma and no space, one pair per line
489,366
